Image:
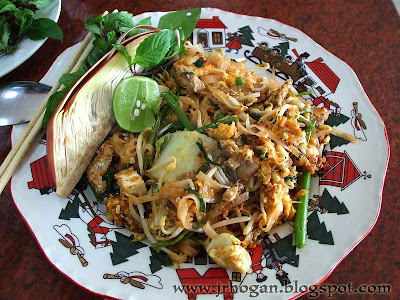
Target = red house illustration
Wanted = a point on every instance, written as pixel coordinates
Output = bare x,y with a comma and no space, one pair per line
214,281
341,170
42,179
210,33
329,105
324,73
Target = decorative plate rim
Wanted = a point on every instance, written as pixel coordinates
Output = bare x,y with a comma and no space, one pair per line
343,256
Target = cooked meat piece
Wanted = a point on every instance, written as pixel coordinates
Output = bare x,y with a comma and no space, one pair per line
99,166
283,92
187,79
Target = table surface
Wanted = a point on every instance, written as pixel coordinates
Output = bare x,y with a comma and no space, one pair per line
365,34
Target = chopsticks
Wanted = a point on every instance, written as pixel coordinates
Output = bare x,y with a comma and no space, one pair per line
17,153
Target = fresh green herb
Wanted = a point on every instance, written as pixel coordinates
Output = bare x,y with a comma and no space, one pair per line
121,49
309,130
216,123
154,48
156,125
304,93
291,178
183,236
111,186
172,102
262,152
256,116
203,151
188,73
184,20
44,28
300,222
199,63
175,126
120,21
145,21
95,25
201,200
239,81
310,126
17,20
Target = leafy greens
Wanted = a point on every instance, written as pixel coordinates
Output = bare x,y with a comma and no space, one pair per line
17,20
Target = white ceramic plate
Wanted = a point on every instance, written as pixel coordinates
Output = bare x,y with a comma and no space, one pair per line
27,47
347,195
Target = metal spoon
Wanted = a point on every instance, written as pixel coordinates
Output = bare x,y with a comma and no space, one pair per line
19,101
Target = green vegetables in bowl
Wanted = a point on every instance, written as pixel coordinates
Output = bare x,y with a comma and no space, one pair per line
17,20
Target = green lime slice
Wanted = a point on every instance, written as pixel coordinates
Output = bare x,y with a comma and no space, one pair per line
136,101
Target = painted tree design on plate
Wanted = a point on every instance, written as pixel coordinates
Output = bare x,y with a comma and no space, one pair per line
336,119
317,230
282,48
245,37
158,260
285,247
123,248
71,210
337,141
332,204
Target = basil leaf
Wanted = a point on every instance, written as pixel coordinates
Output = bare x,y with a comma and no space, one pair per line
111,37
95,25
7,6
95,55
69,79
40,3
145,21
44,28
5,29
102,44
121,49
23,18
153,49
118,21
184,20
52,104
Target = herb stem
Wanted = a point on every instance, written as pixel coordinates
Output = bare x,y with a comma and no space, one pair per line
183,236
216,123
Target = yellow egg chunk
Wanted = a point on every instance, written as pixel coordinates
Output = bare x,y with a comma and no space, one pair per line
226,251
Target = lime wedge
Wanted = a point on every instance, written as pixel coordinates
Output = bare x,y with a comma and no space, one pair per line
136,101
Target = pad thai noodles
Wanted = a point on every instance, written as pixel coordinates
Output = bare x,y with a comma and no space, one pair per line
220,169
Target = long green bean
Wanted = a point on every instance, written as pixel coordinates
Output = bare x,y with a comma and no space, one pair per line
300,222
170,98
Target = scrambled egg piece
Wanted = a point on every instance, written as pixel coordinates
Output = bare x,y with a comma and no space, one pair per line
223,131
130,182
226,251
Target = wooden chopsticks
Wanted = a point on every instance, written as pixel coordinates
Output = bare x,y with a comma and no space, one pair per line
17,153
